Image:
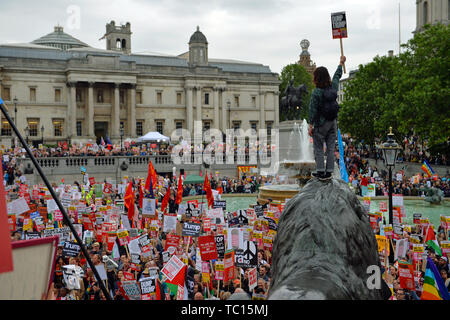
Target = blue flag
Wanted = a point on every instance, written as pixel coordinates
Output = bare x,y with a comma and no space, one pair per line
1,101
342,168
151,189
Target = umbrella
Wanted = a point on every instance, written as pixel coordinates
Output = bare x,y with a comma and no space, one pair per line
193,179
153,137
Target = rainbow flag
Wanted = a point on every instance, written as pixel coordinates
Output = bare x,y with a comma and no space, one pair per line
427,168
433,285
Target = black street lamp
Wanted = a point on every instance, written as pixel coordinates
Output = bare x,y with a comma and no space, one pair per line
390,151
15,100
121,136
229,114
27,132
42,134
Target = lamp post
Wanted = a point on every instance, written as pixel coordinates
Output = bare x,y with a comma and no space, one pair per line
121,136
229,114
15,100
27,132
390,150
42,134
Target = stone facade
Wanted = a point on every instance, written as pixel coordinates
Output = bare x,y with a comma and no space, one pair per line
84,93
432,12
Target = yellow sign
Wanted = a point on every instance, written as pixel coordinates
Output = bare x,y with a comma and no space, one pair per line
219,266
381,241
122,234
414,240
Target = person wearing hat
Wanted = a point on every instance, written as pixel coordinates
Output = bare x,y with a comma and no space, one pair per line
443,264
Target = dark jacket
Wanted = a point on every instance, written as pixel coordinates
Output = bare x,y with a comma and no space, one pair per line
316,99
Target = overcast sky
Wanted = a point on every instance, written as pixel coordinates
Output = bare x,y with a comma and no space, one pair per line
262,31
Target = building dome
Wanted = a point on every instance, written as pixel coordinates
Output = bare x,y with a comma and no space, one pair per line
59,39
198,37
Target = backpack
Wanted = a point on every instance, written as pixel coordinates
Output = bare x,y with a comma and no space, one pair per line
329,108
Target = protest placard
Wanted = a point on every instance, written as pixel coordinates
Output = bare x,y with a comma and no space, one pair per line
229,268
207,245
406,275
172,267
149,207
220,246
219,270
235,238
252,278
170,223
71,249
122,235
220,204
130,290
172,243
445,247
247,257
191,229
148,285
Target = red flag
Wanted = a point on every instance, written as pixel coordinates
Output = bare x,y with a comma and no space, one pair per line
151,176
201,173
129,200
141,195
430,234
179,191
207,188
220,190
165,200
6,259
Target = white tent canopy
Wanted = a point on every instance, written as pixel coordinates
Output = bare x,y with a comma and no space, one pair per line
153,137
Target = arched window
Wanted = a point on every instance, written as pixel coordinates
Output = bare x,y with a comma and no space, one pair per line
124,44
425,12
118,44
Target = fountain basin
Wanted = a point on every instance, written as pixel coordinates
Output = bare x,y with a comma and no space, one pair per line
278,192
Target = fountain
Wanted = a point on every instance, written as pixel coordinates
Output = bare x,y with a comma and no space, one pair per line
297,163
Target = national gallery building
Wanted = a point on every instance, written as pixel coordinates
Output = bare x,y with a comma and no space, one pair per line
58,88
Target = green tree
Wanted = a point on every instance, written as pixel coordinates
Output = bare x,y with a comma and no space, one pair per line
409,92
300,76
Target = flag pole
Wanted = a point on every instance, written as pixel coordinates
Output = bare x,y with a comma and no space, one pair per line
4,109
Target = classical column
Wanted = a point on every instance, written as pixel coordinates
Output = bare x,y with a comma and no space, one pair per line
262,111
116,112
71,110
132,112
276,103
199,104
216,108
189,111
90,111
224,110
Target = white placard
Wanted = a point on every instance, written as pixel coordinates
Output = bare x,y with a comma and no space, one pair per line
235,238
170,223
51,205
148,206
18,206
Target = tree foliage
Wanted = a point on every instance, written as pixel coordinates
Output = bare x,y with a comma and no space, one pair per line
409,92
301,76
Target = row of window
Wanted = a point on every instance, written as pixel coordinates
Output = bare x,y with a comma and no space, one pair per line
33,128
100,97
58,125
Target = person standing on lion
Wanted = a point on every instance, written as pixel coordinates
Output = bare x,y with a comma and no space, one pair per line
323,111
